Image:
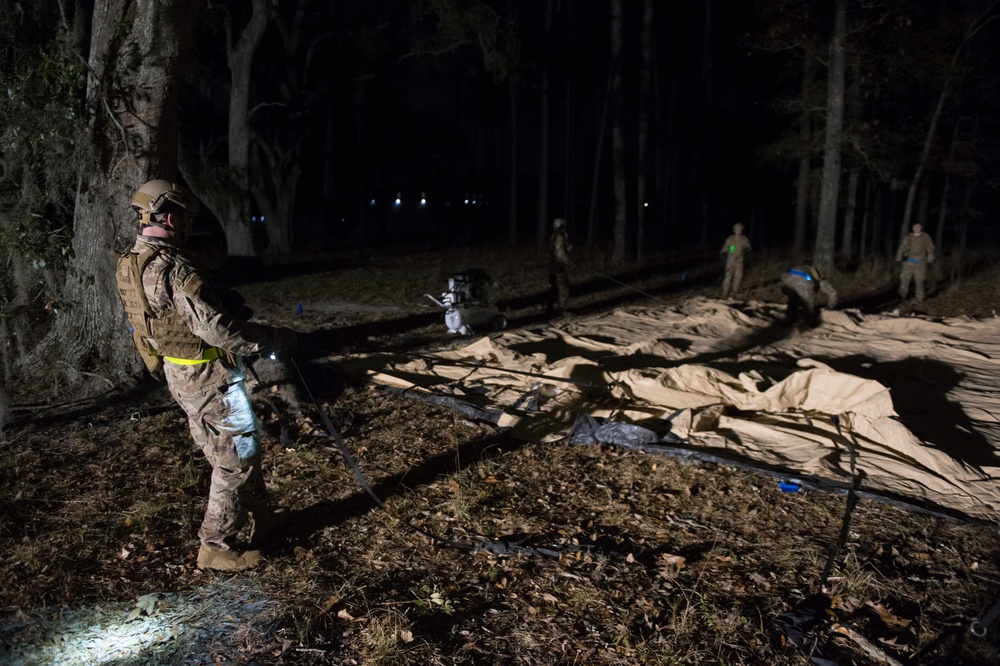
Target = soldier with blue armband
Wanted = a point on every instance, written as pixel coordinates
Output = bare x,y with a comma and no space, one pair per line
800,285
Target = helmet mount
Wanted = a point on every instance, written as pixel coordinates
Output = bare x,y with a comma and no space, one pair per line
161,197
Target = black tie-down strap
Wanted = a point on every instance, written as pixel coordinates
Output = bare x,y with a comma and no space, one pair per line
800,625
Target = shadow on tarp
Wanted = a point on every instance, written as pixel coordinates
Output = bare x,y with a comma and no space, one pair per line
555,348
919,389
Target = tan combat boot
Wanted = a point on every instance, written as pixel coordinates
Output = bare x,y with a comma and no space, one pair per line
265,523
227,560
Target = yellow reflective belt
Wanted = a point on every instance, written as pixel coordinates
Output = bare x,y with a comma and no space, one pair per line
209,354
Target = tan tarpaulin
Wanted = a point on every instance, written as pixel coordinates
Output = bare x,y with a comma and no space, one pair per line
916,398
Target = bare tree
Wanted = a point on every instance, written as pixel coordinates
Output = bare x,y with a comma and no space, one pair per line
826,224
617,135
512,186
946,187
850,212
975,26
602,126
542,219
228,197
805,160
276,159
643,149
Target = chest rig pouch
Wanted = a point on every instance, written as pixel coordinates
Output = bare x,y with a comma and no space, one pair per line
154,337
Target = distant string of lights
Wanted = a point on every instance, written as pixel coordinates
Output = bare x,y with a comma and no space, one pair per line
422,202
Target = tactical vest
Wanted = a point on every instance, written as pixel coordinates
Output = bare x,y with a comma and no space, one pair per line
173,337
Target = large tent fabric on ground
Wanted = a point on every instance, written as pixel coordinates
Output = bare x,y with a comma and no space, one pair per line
904,404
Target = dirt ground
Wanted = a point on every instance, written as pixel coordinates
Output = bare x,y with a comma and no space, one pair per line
488,550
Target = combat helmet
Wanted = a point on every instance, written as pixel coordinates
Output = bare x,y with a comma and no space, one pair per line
158,197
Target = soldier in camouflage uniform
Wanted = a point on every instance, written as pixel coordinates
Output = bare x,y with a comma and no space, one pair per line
735,249
916,251
180,324
559,249
800,285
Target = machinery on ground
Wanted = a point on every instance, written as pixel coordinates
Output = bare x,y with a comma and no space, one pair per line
468,303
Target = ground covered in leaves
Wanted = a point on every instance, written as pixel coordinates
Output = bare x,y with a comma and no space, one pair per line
488,550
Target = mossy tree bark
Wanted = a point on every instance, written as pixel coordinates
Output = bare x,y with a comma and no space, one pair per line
136,53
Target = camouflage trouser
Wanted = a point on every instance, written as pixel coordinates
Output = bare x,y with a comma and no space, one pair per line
734,277
224,426
559,289
801,299
916,271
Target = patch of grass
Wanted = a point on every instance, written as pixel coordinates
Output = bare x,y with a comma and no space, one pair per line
385,637
431,600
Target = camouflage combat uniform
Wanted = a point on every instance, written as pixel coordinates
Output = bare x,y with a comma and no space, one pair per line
800,285
559,249
201,342
916,251
735,248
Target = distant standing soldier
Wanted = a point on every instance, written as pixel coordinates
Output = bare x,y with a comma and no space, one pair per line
800,285
197,332
916,251
559,249
735,248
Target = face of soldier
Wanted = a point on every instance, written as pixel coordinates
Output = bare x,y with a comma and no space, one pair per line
179,224
918,229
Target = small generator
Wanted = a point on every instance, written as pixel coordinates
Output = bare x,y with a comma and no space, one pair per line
468,303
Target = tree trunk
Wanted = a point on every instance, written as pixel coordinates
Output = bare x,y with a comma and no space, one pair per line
980,22
946,188
963,233
707,148
643,147
865,220
617,137
670,180
277,202
235,223
278,160
602,127
136,55
512,195
847,244
570,157
826,224
878,219
542,219
921,164
805,162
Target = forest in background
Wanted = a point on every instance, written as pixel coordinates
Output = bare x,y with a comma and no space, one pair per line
825,129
